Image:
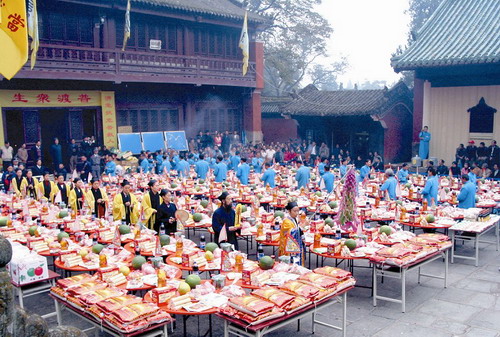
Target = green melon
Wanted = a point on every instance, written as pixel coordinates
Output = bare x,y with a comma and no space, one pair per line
204,203
197,217
279,214
124,229
138,261
318,193
164,240
408,185
32,230
96,249
243,208
62,235
387,230
332,204
193,280
211,246
201,181
266,262
4,221
63,214
173,185
351,244
329,221
430,218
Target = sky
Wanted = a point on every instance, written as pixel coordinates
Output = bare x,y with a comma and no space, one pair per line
367,32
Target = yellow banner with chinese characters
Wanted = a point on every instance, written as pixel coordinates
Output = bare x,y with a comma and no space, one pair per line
109,119
13,37
48,98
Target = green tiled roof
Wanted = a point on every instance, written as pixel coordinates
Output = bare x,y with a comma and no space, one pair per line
224,8
459,32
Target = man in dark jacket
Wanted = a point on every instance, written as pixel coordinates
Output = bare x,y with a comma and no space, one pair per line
493,154
471,152
223,219
56,153
36,152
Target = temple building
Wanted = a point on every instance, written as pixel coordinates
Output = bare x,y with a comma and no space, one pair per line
456,59
181,70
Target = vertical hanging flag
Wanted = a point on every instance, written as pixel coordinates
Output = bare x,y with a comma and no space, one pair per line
33,30
126,33
13,37
244,44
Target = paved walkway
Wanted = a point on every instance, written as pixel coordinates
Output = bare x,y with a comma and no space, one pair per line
470,306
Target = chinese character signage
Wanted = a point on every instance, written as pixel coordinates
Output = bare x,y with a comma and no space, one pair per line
109,118
48,98
13,37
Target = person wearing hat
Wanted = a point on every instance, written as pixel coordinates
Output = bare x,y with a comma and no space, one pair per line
390,184
63,187
290,241
97,199
471,152
150,203
425,138
223,220
166,213
125,205
328,179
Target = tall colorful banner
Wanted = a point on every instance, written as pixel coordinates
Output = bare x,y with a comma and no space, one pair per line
13,37
109,119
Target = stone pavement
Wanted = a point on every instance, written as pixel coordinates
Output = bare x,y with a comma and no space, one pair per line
470,306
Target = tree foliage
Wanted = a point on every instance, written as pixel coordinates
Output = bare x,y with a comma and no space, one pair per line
296,39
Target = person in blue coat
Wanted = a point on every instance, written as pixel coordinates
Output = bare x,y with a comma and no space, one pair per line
110,168
430,191
364,171
343,167
423,147
243,171
269,176
474,174
165,165
403,174
303,175
234,161
321,166
144,164
220,171
201,167
257,164
182,167
467,197
390,184
328,179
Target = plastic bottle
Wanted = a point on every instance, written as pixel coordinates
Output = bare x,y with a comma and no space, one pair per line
202,242
196,270
260,252
162,229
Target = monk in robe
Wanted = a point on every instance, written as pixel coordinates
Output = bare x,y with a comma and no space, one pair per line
97,199
47,188
29,186
77,195
125,205
290,240
150,203
17,182
64,188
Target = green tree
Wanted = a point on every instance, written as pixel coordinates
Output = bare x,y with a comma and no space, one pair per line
293,42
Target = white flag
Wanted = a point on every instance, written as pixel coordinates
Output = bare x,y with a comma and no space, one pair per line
244,44
223,234
33,30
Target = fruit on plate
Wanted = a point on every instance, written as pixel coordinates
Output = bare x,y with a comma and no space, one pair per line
33,230
266,262
351,244
209,256
63,214
193,280
96,249
243,208
173,185
83,252
4,221
164,240
124,270
387,230
124,229
430,218
197,217
201,181
333,204
318,193
204,203
183,288
329,221
62,235
211,246
279,214
138,261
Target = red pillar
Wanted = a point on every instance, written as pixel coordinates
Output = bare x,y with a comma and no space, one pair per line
418,108
252,110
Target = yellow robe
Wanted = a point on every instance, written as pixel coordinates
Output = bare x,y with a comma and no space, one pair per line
89,197
18,190
24,187
53,191
72,198
286,226
148,211
119,208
